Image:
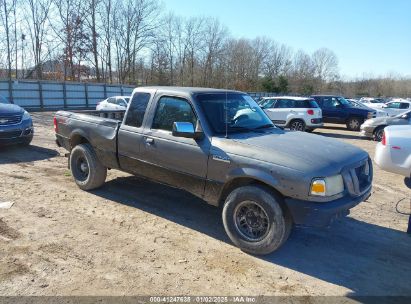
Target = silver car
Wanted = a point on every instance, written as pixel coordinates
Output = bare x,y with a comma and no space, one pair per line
393,153
374,128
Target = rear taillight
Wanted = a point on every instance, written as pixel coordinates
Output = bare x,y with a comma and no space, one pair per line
310,112
383,140
55,124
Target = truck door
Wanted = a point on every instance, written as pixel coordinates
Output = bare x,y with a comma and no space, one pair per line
130,134
332,110
180,162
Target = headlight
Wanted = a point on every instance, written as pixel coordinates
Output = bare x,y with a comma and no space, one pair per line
26,115
328,186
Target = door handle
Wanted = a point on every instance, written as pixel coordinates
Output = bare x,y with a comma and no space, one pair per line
149,140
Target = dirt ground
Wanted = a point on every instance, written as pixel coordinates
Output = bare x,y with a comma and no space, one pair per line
135,237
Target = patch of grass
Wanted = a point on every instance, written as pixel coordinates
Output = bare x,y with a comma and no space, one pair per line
67,173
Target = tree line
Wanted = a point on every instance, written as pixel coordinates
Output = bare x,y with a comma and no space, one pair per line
138,42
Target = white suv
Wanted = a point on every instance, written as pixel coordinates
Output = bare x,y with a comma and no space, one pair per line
296,113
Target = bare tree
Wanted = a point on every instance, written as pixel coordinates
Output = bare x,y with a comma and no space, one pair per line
7,9
325,64
37,25
91,11
215,36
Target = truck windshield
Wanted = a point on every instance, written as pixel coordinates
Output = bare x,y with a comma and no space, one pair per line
233,112
3,100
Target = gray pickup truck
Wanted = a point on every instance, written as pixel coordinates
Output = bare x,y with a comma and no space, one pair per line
220,146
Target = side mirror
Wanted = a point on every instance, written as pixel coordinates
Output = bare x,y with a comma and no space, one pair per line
186,130
338,106
384,106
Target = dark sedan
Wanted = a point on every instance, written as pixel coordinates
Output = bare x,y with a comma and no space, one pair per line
16,125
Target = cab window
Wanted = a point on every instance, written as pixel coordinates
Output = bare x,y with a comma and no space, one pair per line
170,110
330,102
137,109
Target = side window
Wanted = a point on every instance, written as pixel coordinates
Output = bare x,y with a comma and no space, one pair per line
331,102
111,100
282,104
319,101
121,102
170,110
404,105
137,109
394,105
268,104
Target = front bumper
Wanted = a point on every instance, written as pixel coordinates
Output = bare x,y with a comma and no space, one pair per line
367,132
312,214
17,134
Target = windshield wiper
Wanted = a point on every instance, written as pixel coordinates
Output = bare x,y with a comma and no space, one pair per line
240,128
265,126
245,129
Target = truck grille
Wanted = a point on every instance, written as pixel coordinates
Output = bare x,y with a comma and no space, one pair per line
10,120
10,134
358,178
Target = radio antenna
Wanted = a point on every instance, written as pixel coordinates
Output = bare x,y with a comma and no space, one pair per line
226,113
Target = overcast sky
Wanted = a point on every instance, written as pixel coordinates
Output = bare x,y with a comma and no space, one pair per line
371,37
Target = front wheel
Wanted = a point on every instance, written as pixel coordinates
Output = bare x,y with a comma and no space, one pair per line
354,124
378,134
87,170
254,220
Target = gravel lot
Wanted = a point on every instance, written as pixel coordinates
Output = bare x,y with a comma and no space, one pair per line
135,237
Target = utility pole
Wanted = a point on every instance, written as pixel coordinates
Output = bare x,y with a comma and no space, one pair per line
23,38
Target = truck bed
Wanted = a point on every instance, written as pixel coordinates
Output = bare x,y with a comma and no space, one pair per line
98,128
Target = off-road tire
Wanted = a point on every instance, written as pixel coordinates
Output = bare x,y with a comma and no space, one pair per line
279,221
97,173
354,123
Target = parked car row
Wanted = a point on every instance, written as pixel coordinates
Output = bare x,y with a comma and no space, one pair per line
308,113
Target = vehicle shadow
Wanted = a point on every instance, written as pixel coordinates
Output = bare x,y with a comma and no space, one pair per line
21,154
365,258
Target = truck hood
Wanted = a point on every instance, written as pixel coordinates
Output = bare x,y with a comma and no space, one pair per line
10,109
296,150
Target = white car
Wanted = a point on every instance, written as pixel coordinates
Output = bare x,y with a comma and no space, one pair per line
113,103
296,113
357,104
372,103
396,107
393,153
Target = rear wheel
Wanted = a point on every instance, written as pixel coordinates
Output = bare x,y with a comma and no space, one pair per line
354,123
378,133
297,125
255,221
87,170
